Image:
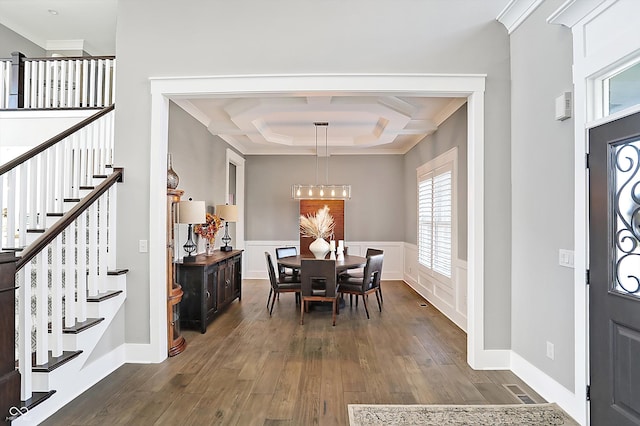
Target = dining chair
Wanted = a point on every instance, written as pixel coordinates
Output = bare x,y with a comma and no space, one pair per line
319,283
359,272
368,283
286,252
278,286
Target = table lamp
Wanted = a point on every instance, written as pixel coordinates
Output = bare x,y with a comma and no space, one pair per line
191,212
228,213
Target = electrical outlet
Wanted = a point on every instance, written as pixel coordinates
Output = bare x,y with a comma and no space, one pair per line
550,350
143,246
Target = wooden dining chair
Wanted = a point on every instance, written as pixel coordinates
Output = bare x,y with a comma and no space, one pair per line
284,272
368,283
278,286
359,272
319,284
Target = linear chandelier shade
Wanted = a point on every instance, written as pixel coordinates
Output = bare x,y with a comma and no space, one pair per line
319,191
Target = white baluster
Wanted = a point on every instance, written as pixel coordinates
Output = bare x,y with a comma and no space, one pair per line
92,83
33,84
23,172
41,84
42,320
93,282
81,289
11,209
78,84
70,276
53,77
85,83
67,171
102,243
100,84
24,331
3,85
29,77
56,296
60,172
63,84
111,232
108,63
43,187
113,83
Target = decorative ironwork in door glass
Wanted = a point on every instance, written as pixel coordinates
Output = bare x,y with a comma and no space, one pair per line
626,205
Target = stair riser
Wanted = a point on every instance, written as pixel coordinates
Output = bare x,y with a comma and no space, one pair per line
105,308
44,382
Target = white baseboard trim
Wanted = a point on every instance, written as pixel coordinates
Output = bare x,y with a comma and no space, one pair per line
548,388
493,359
141,353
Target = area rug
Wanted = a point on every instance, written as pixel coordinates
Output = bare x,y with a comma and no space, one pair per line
457,415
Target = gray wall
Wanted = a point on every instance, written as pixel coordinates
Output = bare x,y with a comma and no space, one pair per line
375,211
542,181
451,133
11,41
199,158
165,38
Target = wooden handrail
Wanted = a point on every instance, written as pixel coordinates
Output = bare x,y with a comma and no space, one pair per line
50,234
54,140
68,58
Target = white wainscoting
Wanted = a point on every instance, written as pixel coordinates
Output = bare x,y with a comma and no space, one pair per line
255,266
451,300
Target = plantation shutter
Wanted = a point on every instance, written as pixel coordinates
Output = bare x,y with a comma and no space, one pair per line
435,191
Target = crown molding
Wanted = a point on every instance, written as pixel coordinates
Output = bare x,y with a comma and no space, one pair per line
572,11
516,12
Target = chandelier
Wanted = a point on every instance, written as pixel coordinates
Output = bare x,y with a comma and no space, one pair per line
320,191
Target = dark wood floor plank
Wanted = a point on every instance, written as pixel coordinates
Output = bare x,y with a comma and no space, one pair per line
253,369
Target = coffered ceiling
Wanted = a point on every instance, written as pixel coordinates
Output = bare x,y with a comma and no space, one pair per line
372,123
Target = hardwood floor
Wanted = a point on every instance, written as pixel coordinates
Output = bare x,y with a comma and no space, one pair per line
250,369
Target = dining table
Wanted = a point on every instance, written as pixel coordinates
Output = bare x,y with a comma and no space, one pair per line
349,262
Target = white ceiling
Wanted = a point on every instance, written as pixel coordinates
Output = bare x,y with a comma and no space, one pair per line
370,122
363,123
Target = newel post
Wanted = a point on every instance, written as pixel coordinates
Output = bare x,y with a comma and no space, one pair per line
9,376
16,89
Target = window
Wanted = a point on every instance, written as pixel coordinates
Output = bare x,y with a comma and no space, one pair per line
621,89
436,214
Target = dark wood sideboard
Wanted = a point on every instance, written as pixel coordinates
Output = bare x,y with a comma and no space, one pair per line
209,285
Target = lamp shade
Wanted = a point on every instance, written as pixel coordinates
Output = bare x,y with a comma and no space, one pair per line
192,212
228,213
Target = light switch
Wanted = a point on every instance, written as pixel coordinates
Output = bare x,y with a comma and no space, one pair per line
143,247
565,258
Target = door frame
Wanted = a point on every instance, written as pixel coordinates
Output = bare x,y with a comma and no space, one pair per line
597,49
469,86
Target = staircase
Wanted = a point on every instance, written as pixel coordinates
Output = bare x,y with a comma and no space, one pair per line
58,204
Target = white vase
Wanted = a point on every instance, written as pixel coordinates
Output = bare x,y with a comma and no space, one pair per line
319,248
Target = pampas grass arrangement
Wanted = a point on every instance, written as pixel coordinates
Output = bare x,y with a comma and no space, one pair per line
319,225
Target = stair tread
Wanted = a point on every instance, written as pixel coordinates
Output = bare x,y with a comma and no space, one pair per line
36,398
103,296
80,326
54,361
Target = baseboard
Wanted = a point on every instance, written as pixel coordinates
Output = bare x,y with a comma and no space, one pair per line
492,359
552,391
141,353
